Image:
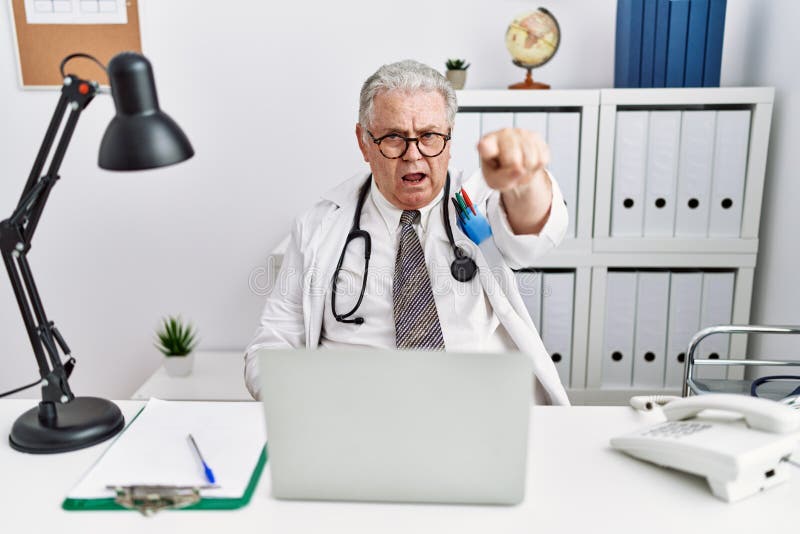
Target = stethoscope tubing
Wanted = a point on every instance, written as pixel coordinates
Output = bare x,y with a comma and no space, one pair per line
463,268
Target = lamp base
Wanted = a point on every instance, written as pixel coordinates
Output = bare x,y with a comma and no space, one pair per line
53,427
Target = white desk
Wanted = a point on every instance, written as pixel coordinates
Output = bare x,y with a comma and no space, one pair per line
576,484
216,376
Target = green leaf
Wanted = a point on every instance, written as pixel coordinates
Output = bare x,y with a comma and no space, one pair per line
174,338
457,64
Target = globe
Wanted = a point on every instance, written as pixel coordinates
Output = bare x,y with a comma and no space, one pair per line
532,39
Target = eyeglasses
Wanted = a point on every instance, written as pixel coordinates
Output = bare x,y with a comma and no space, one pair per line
393,146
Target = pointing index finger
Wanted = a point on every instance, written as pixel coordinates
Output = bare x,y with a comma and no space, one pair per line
489,150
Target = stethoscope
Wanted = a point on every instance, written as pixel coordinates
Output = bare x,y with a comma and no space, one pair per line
463,268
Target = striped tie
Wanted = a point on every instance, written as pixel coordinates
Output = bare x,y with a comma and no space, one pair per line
416,321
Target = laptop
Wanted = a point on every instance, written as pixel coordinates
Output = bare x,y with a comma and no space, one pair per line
397,426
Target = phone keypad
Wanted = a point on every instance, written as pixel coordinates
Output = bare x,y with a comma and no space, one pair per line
676,429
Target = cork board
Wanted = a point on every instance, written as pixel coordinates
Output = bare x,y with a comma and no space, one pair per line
41,47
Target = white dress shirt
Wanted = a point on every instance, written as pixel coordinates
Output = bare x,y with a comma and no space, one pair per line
467,320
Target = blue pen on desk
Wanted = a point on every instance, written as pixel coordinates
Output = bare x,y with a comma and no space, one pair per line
207,470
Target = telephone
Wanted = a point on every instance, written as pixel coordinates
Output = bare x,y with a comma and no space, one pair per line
737,442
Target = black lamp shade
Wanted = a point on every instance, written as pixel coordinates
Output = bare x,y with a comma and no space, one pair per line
140,136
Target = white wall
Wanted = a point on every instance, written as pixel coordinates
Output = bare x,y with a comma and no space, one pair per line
272,124
767,56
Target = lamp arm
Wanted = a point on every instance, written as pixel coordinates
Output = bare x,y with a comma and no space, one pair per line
46,146
27,316
42,333
33,210
16,234
77,94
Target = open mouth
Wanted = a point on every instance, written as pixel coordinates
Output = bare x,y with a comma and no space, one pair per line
414,178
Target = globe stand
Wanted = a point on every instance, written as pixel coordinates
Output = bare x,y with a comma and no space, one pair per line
528,83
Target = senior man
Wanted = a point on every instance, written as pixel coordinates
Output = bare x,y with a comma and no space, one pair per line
408,296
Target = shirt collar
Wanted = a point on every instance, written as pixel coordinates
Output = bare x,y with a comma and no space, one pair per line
391,214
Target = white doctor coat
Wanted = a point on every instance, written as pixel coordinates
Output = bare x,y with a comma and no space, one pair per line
293,314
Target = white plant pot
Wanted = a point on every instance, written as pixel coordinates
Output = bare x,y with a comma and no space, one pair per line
179,365
457,78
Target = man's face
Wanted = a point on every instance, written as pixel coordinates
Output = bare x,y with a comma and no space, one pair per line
413,180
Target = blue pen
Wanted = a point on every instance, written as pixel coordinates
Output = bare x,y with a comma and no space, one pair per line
209,473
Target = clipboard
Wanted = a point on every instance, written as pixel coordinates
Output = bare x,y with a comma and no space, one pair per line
129,476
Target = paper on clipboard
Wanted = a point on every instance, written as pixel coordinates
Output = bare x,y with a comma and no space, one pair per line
154,450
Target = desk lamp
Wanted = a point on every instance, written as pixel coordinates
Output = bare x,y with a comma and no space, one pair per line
139,137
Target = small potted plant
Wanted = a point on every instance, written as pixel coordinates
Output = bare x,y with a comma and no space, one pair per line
457,72
177,342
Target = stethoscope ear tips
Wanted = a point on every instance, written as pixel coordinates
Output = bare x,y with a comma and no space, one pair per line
358,320
463,267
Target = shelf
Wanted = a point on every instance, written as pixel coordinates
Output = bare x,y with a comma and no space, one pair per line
570,259
687,96
675,245
494,98
675,260
498,98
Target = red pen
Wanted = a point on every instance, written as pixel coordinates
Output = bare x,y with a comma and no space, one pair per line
468,201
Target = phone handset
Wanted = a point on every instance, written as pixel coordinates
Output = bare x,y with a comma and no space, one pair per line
738,458
758,413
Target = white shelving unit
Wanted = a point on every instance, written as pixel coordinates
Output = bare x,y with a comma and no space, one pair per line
593,250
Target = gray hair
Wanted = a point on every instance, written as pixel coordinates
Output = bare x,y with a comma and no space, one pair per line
406,75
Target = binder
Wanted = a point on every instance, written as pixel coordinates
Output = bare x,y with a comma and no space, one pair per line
696,43
652,307
730,168
535,121
717,308
630,158
558,291
628,42
153,450
529,284
648,43
662,173
463,150
617,368
493,121
676,42
714,37
660,45
685,293
563,136
694,178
